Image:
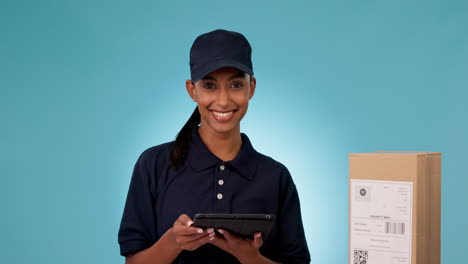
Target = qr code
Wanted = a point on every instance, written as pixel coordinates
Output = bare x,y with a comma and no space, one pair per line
360,257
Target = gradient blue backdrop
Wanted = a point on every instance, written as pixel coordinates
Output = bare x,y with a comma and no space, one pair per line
86,86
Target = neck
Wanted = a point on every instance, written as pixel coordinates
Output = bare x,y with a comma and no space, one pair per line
225,146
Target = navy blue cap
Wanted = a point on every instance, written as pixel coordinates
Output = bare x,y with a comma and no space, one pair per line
217,49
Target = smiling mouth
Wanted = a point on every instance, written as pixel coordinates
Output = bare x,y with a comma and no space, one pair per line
223,116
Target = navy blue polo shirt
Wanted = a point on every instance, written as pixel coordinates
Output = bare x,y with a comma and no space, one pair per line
250,183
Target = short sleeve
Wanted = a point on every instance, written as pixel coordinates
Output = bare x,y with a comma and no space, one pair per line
293,244
138,225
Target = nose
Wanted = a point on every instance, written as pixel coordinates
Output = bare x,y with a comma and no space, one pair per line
223,97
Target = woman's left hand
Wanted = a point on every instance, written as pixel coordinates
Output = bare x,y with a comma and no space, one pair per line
244,249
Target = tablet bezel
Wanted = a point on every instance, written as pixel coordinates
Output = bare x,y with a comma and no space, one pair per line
243,225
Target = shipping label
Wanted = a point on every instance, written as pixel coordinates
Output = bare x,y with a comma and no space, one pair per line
380,222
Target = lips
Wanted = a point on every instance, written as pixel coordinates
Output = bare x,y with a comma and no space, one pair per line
223,116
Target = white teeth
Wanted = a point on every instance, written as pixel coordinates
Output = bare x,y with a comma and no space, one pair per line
222,114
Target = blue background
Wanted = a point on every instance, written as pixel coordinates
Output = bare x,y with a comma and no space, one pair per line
86,86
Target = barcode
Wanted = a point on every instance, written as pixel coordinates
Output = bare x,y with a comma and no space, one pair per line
360,256
395,228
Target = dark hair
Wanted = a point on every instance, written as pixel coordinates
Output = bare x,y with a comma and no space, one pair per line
183,140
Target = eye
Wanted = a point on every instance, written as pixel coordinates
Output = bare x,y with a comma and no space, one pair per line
237,85
209,86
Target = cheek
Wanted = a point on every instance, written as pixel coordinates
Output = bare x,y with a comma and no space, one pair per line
242,100
204,99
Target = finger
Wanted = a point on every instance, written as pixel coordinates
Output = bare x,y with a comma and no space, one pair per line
218,241
183,226
181,240
187,230
192,245
258,240
184,220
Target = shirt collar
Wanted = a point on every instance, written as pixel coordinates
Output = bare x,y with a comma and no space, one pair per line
201,158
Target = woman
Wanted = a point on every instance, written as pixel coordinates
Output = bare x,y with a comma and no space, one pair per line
211,167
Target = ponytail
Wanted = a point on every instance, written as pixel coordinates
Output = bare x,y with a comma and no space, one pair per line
183,140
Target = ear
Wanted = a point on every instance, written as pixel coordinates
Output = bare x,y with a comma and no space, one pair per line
189,85
253,85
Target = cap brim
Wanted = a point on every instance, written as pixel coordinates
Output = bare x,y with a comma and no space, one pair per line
205,70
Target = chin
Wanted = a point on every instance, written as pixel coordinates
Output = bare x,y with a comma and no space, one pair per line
223,129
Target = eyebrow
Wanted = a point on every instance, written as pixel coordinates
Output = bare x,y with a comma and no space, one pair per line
236,76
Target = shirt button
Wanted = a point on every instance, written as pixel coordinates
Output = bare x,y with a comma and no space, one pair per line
219,196
221,167
220,182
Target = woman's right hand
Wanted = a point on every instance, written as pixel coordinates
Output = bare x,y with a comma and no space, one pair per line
187,237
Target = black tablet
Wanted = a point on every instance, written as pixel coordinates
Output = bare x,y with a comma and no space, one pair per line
243,225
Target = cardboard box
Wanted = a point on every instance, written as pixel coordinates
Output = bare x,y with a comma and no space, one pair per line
394,207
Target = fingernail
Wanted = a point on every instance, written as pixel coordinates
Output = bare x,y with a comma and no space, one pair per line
259,235
189,223
200,231
212,234
211,238
210,230
220,230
